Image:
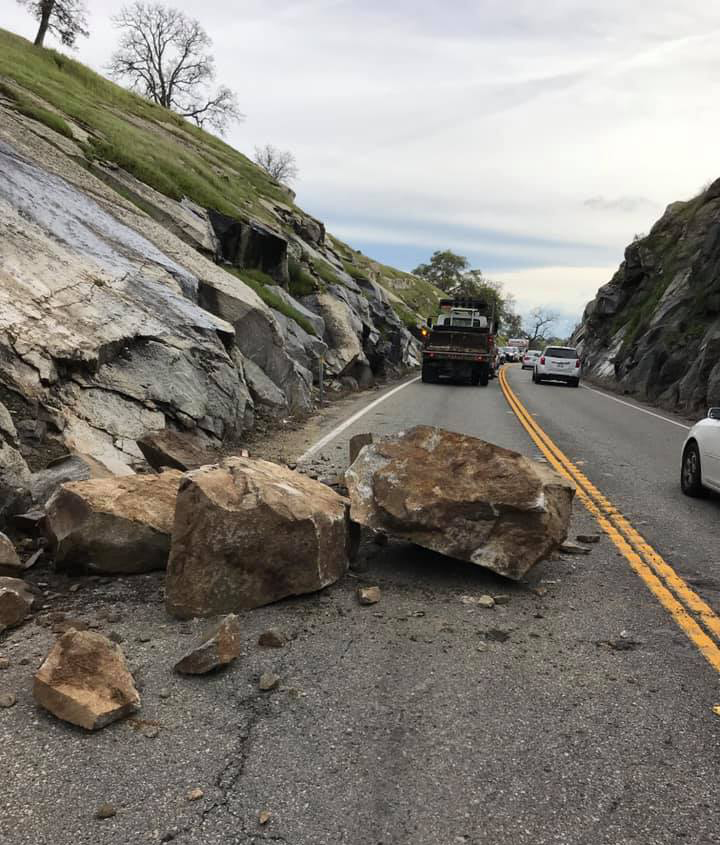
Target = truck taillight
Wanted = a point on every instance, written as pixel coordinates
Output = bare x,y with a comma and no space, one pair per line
542,360
577,363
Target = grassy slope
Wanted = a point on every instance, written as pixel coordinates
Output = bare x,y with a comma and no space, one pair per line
166,152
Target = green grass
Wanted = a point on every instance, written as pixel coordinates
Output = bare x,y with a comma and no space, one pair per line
406,315
170,154
301,282
258,281
325,272
355,272
30,109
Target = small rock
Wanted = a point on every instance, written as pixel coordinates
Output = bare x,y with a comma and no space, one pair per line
368,595
105,811
268,681
221,648
570,548
16,601
164,693
150,731
540,591
169,835
588,538
7,699
264,816
497,635
75,587
486,601
115,637
272,638
10,563
114,617
502,599
4,662
144,638
195,794
85,681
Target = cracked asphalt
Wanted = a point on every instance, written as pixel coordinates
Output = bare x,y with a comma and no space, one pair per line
577,712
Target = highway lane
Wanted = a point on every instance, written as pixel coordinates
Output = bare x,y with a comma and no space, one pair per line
420,720
634,458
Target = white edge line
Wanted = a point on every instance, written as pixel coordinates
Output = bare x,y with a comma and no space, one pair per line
637,408
350,420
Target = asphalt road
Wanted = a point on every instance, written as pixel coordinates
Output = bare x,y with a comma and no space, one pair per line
420,720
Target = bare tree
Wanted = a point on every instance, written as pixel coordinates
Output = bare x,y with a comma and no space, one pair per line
279,164
64,18
165,56
538,324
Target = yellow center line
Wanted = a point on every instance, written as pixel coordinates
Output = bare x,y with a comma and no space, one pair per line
641,556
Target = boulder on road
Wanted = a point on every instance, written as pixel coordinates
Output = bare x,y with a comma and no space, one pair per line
10,563
84,680
115,525
16,601
219,649
462,497
249,532
169,449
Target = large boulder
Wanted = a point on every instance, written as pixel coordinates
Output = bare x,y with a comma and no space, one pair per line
343,331
250,532
114,525
169,449
84,680
461,496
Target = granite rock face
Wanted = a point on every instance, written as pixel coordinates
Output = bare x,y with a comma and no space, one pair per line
653,331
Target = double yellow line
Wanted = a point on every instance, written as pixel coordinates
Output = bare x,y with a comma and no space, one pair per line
689,611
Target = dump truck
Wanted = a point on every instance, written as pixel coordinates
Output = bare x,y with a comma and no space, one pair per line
461,342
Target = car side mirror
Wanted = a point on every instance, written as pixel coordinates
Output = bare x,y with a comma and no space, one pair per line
714,414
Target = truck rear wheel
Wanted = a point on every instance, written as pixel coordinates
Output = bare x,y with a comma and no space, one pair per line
484,376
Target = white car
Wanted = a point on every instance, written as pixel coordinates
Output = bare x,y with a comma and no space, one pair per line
530,358
701,456
558,363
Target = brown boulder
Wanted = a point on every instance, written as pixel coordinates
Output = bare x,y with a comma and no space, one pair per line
462,497
176,450
250,532
16,601
10,563
120,524
219,649
84,680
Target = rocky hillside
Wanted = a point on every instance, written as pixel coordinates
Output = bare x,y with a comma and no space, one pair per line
152,277
654,330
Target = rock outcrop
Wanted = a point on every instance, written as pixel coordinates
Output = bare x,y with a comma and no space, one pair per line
177,302
250,532
461,496
653,330
85,681
114,525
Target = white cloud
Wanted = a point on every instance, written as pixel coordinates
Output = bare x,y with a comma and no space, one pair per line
546,134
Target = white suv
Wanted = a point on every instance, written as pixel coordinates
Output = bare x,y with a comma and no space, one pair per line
558,363
530,358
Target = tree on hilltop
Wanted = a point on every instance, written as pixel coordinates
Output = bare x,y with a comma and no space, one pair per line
67,19
165,56
280,165
445,269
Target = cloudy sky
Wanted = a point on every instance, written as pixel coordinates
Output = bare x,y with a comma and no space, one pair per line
535,138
